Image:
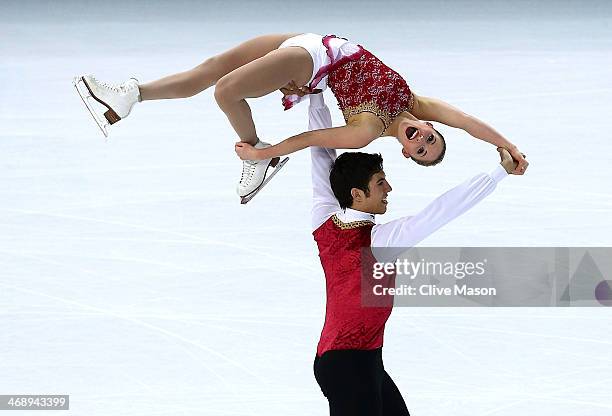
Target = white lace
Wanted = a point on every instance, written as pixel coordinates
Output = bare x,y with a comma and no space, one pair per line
112,87
119,88
129,86
248,170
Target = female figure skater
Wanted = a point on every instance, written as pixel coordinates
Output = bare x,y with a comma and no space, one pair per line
374,99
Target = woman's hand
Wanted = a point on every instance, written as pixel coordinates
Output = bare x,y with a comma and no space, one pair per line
520,159
246,151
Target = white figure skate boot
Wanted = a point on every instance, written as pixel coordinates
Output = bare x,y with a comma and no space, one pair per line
255,174
117,99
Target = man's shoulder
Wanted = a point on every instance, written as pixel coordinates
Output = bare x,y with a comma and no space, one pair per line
334,223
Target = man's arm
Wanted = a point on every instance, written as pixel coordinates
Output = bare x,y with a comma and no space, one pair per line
324,203
408,231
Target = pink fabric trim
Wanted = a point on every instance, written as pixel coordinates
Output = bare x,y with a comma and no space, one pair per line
324,70
291,100
287,103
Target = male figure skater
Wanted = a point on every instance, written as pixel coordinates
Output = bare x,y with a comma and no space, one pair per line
348,192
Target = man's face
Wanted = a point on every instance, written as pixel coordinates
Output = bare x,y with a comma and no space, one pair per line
376,202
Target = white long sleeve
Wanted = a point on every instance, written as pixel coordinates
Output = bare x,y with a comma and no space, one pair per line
324,203
408,231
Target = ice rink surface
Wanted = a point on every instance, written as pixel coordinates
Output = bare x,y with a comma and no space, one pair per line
133,280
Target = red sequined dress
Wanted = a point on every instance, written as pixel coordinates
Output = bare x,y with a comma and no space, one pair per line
361,83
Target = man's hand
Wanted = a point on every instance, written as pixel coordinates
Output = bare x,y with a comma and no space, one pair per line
245,151
292,89
507,161
519,157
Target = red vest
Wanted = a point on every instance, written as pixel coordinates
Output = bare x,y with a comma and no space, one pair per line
344,249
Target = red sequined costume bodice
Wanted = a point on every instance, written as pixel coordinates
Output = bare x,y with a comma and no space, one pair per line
367,84
363,83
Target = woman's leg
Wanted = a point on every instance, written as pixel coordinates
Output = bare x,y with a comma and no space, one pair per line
258,78
196,80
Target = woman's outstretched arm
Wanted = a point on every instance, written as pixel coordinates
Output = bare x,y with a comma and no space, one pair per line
427,108
351,136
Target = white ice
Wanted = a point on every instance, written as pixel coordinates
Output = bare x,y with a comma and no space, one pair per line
133,280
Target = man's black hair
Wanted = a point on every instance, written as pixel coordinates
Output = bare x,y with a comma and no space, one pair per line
353,170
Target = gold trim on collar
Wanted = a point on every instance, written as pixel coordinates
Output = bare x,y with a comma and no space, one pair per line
350,225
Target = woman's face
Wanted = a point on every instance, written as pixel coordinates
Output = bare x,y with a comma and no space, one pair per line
419,140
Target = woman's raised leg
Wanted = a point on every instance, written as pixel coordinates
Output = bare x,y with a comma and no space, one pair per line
203,76
256,79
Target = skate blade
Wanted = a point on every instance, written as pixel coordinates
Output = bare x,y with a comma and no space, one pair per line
245,199
111,116
85,94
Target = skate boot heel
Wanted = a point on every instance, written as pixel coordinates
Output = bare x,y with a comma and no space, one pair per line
274,162
112,117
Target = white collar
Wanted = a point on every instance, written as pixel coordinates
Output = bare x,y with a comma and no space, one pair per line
352,215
